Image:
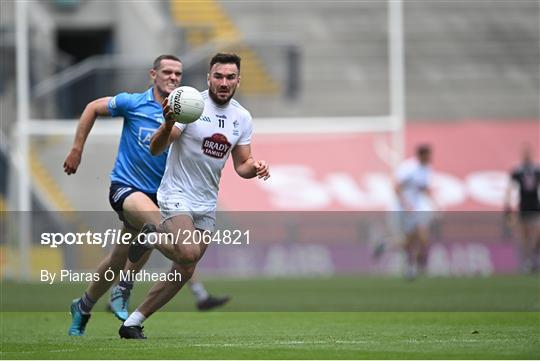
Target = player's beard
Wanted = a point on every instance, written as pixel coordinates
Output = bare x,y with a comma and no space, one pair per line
219,101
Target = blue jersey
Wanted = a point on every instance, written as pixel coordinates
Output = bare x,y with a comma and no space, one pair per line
134,165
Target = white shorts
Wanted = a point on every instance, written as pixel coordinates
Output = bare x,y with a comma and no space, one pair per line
411,221
407,221
203,217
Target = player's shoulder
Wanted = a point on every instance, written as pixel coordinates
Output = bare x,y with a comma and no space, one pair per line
131,98
205,95
235,106
409,164
516,171
142,95
405,168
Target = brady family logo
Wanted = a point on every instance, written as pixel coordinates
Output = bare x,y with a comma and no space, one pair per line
216,146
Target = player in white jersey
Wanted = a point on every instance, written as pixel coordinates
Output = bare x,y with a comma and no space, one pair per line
199,155
189,188
415,207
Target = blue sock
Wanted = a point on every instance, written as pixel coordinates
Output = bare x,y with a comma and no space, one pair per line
126,284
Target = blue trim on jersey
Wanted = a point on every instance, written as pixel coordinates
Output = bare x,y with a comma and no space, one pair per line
134,164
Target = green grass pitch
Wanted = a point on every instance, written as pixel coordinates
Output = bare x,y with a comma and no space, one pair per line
449,318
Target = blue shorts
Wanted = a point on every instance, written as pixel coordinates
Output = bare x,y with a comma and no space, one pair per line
118,192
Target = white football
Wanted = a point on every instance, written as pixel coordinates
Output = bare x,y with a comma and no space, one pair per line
186,104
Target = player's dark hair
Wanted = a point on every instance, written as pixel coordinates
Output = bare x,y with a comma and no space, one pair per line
157,62
226,58
423,149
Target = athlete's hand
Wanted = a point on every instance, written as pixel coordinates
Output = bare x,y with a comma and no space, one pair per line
72,161
508,213
167,112
262,169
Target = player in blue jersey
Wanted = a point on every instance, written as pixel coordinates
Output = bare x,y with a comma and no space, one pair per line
525,178
135,179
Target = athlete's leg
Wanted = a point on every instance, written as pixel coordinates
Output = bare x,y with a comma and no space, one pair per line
121,292
137,209
180,247
114,261
525,254
536,245
161,293
204,300
410,249
423,247
185,255
82,307
531,232
164,291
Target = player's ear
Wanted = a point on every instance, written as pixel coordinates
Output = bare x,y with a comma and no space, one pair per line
208,79
239,78
153,74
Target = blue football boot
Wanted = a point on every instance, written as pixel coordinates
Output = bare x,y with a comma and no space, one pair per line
119,302
78,319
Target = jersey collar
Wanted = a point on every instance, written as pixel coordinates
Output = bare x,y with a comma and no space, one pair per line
150,94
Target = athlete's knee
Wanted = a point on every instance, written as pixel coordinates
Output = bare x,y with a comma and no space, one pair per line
187,271
191,256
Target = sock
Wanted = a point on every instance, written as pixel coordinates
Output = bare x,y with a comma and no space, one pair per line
85,304
198,290
126,284
135,319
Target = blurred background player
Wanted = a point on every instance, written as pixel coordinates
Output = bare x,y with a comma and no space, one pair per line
188,192
526,178
415,207
134,181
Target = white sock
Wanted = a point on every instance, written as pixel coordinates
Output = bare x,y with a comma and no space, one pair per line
135,319
198,290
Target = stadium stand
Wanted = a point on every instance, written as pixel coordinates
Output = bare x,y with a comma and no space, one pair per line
205,22
464,59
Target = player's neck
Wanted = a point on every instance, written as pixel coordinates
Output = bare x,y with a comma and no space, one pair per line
158,97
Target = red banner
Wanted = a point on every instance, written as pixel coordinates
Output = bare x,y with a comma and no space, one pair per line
316,172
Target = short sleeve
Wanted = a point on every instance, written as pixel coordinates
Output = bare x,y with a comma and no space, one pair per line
119,104
403,172
180,126
245,137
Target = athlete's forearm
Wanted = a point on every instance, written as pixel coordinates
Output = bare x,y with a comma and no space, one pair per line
86,122
247,169
161,138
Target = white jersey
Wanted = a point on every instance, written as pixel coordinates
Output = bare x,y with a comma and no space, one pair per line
414,180
197,157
